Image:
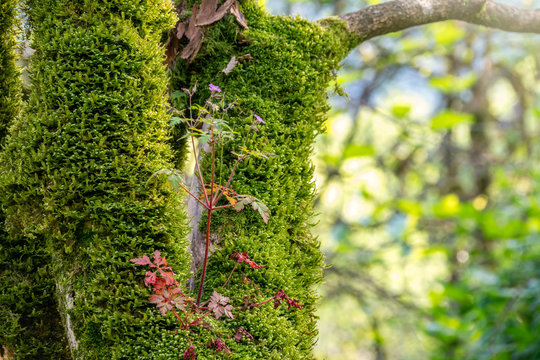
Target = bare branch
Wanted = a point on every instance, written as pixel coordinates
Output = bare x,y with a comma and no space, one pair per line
398,15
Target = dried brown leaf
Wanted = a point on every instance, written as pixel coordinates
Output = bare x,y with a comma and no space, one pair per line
208,9
181,28
230,66
209,14
191,50
192,29
171,48
235,10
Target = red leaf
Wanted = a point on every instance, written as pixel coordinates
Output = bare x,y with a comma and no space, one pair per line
150,278
189,353
219,305
157,258
218,345
145,260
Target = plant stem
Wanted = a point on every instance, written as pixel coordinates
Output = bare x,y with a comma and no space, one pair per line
179,318
262,303
222,207
229,278
192,195
203,275
199,172
194,322
228,181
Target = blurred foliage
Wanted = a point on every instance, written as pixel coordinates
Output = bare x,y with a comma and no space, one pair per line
428,197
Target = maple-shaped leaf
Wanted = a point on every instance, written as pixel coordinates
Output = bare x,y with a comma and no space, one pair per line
242,333
150,278
243,200
262,209
162,301
219,305
190,354
174,177
158,259
256,204
219,345
145,260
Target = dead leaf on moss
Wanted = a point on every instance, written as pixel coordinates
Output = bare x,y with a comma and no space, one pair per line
171,48
209,13
235,10
205,14
234,61
181,28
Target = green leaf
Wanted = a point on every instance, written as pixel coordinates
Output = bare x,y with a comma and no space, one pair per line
174,177
453,84
356,150
448,118
263,210
401,111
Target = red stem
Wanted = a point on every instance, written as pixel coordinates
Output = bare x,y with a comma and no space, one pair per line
229,278
199,318
203,275
228,181
192,195
264,302
179,318
200,173
222,207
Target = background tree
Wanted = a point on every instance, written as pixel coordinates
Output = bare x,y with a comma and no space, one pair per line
285,81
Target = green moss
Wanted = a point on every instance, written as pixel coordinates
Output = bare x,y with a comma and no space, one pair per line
285,83
76,166
30,325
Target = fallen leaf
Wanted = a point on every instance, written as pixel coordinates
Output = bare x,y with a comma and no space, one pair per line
171,48
235,10
181,28
208,13
230,66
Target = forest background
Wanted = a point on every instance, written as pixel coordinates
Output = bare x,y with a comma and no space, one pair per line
429,211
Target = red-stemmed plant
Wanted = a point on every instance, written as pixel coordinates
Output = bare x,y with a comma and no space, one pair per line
204,124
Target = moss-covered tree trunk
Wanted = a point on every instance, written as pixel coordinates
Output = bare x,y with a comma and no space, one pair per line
30,326
284,80
75,172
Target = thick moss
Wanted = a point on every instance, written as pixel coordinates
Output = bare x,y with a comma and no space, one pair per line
30,325
10,86
285,82
76,169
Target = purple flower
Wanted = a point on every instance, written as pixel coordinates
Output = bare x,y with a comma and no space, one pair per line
213,88
258,119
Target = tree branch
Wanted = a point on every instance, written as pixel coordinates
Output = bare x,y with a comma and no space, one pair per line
398,15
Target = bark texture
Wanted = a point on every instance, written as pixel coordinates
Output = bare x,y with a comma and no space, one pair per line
398,15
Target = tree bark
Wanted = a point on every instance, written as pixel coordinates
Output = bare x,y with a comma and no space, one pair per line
398,15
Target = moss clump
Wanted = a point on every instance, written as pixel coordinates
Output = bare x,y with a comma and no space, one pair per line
285,83
75,172
30,326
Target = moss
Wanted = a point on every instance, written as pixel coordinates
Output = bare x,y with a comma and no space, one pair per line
30,325
75,171
285,83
